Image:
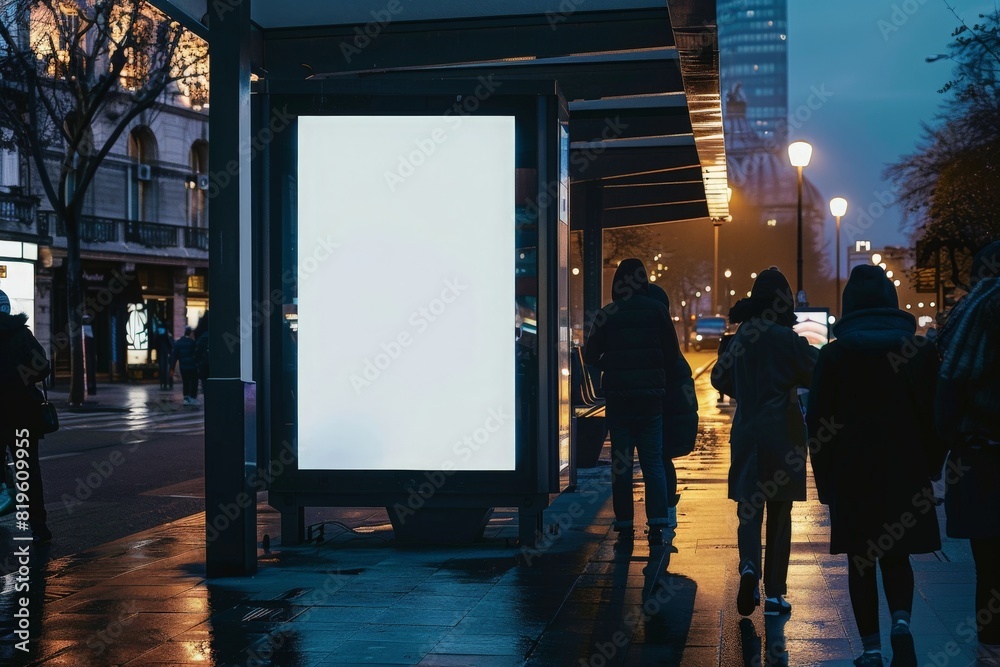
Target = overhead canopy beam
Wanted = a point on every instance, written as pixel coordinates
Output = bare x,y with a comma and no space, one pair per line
697,39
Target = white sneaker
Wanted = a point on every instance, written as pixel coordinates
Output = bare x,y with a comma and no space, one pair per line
187,400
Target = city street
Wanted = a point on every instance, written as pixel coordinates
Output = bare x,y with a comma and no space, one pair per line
357,598
131,460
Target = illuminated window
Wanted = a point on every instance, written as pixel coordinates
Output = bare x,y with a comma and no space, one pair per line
196,283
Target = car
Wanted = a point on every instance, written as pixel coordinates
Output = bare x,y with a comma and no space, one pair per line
708,332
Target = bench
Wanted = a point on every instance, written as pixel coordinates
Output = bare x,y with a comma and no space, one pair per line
588,413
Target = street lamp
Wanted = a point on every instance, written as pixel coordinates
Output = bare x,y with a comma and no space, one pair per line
729,301
838,207
716,223
799,153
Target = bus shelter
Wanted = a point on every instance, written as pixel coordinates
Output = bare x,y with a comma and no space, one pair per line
573,118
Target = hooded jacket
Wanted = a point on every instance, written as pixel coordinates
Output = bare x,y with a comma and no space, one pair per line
871,428
632,341
762,368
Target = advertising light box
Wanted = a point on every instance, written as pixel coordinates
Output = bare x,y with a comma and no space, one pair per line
406,267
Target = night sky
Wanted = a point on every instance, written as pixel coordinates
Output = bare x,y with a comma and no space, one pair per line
866,57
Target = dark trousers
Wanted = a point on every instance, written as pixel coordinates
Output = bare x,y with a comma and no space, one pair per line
642,435
37,515
779,542
897,581
986,553
165,379
190,381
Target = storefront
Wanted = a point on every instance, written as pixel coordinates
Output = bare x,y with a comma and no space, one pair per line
17,276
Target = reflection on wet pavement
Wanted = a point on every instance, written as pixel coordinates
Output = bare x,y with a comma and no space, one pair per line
358,599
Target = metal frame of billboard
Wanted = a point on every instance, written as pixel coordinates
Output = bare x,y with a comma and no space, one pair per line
541,115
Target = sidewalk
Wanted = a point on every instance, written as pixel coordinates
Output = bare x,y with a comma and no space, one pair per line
358,599
117,396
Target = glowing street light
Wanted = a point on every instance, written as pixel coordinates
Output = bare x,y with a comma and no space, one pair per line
838,207
799,154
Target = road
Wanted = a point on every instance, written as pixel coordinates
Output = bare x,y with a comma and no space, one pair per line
113,472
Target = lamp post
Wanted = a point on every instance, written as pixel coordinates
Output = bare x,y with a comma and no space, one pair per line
838,207
799,153
716,223
728,274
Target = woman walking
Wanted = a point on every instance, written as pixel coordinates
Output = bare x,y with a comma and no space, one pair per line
762,368
873,452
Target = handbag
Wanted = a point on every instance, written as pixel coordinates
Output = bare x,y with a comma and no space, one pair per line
49,418
680,413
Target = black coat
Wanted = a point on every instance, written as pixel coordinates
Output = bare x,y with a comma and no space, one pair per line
633,341
22,364
872,438
762,368
184,354
967,406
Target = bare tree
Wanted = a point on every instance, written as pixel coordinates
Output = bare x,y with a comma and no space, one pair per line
68,67
624,242
947,185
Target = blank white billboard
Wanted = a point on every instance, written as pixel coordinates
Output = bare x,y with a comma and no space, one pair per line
406,293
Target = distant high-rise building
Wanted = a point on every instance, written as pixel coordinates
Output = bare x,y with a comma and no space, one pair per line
753,46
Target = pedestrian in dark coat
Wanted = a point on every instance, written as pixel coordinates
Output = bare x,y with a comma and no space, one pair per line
164,351
762,367
184,357
967,411
22,364
632,342
874,450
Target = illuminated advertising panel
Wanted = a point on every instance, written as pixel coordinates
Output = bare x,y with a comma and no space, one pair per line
405,265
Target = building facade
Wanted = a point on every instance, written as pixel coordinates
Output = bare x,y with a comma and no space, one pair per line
753,52
144,239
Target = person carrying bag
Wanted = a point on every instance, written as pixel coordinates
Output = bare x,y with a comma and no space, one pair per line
22,365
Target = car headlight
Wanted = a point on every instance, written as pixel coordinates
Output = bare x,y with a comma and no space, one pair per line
698,337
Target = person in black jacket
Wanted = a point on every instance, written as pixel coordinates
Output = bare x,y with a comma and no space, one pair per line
22,364
967,411
184,357
164,350
762,368
874,450
632,341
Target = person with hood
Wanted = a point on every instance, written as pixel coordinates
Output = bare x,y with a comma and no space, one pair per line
184,357
762,368
873,451
967,412
22,364
632,341
680,416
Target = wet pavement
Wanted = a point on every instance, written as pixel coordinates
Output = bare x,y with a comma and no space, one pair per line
356,598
